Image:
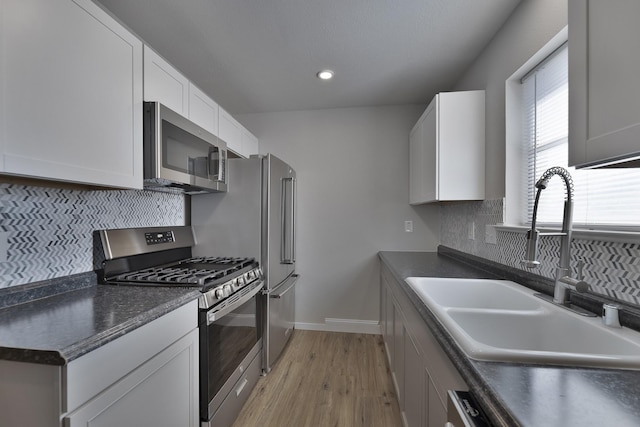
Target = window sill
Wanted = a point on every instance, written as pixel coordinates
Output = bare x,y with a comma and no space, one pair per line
580,233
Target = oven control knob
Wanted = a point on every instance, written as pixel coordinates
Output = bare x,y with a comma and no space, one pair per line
219,293
240,281
227,290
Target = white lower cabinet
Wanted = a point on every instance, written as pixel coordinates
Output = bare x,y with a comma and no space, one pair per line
146,378
436,409
398,368
421,370
413,383
158,393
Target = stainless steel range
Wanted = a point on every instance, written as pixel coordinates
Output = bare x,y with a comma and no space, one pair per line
230,334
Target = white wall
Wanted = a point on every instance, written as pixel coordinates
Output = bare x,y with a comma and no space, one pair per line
526,31
352,168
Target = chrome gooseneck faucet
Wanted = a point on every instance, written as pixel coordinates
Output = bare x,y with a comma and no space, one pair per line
563,281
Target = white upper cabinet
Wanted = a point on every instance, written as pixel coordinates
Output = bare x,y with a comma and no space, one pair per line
230,131
203,110
165,84
604,89
446,149
250,143
71,91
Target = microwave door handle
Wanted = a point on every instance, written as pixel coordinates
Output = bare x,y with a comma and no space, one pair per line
222,156
214,157
211,160
219,161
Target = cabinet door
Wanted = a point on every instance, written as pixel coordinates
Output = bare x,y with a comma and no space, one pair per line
413,385
230,131
430,154
164,83
437,409
203,110
460,149
161,393
71,90
389,327
398,344
416,150
423,160
446,149
250,144
604,94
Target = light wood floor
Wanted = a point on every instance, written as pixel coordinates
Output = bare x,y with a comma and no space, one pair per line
325,379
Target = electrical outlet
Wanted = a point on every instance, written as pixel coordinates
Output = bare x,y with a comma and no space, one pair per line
471,230
490,235
408,226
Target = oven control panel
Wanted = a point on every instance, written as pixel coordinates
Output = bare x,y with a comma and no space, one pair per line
156,238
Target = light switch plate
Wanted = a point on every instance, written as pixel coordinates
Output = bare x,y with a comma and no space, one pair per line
408,226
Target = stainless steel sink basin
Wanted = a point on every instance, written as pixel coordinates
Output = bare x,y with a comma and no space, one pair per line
498,320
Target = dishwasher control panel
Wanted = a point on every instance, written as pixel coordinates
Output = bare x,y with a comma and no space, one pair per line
464,411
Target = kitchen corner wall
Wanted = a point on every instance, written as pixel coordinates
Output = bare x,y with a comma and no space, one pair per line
612,268
47,233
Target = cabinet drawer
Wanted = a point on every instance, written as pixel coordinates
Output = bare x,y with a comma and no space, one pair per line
234,401
90,374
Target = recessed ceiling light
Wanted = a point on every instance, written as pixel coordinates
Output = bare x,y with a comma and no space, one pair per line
325,74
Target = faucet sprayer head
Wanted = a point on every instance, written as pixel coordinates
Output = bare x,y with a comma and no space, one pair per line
531,256
561,172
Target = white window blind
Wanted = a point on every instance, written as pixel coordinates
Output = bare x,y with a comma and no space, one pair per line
603,198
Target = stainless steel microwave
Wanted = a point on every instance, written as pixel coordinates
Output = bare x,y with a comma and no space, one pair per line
180,156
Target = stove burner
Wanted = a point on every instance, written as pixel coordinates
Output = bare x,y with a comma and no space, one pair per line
196,271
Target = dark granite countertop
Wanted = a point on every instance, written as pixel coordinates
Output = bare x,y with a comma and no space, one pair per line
520,394
60,328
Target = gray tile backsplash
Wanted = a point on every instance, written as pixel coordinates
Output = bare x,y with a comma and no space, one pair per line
47,233
612,269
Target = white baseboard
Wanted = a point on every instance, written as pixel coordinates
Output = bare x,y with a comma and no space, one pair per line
343,325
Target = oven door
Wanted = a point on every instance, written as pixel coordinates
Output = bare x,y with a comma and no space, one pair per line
229,341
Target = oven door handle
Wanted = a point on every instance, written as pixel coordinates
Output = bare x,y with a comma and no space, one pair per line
212,316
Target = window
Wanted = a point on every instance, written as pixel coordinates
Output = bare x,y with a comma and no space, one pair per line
603,198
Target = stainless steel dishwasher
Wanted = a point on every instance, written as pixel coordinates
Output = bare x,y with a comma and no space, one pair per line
463,411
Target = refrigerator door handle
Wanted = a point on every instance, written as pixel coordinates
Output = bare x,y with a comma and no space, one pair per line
287,219
293,279
293,219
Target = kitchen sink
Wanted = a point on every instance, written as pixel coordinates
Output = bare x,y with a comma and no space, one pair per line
474,293
499,320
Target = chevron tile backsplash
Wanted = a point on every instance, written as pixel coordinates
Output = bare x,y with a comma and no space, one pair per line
47,233
612,268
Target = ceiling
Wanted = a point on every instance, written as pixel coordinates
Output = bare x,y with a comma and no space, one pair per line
263,55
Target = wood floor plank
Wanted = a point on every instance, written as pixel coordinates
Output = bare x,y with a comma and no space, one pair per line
325,379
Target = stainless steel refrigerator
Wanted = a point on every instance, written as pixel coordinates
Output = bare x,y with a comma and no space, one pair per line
256,217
